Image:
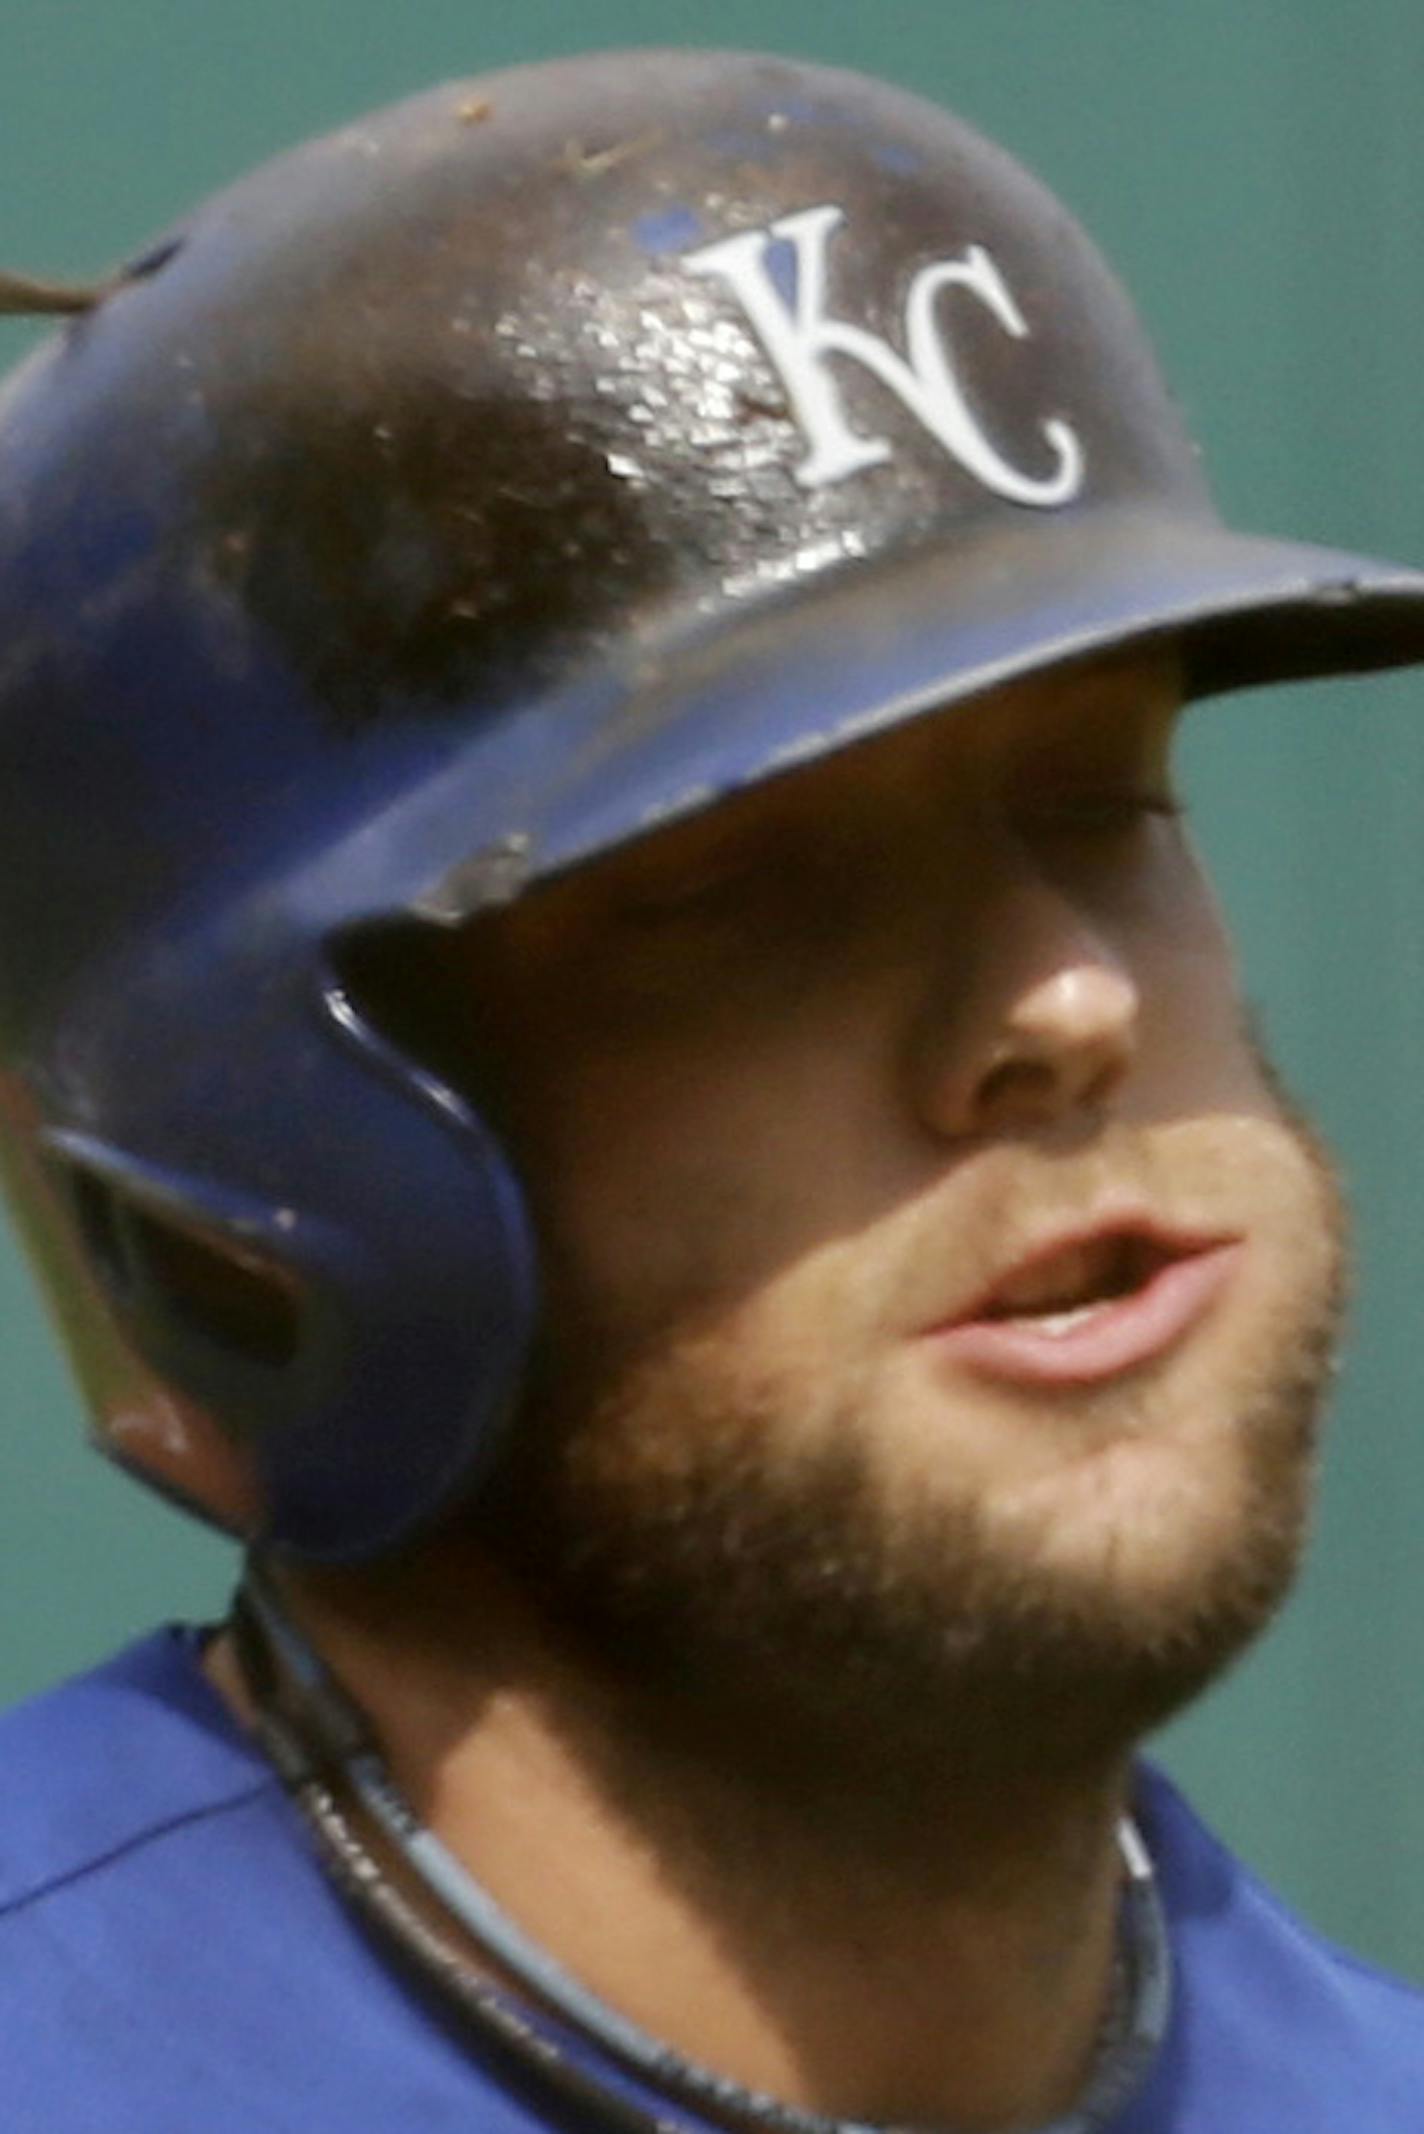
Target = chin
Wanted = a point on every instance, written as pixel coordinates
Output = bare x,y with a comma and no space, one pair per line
1146,1514
779,1618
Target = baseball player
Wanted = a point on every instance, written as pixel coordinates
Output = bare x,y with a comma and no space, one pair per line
616,1054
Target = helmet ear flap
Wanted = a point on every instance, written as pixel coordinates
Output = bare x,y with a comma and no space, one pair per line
326,1425
75,1222
195,1295
145,1260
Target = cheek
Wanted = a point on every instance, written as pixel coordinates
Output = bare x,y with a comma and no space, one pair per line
668,1179
1196,1041
638,1174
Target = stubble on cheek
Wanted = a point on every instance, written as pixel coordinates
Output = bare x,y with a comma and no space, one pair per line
765,1601
706,1496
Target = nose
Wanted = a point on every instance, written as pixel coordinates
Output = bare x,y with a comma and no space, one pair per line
1046,1030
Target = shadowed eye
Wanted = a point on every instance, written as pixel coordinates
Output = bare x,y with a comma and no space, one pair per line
1096,811
751,869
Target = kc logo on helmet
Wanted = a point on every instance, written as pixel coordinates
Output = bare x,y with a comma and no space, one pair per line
799,338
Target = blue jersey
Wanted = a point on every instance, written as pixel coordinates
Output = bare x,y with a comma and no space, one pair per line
173,1960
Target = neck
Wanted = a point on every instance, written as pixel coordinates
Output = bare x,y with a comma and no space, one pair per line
951,1965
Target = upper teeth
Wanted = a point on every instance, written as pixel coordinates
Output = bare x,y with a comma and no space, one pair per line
1064,1322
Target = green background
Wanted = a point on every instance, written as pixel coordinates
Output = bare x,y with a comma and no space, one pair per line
1257,169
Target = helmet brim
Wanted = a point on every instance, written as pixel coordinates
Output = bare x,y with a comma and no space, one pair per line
853,657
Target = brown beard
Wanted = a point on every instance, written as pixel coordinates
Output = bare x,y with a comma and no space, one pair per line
766,1619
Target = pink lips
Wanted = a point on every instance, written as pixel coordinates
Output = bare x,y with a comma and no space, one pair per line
1081,1344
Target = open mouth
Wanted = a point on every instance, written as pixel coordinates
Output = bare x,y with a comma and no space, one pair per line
1062,1288
1091,1307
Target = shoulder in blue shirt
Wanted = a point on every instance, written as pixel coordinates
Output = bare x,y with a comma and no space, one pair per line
173,1961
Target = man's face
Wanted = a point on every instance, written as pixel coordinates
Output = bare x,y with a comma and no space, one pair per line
937,1293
